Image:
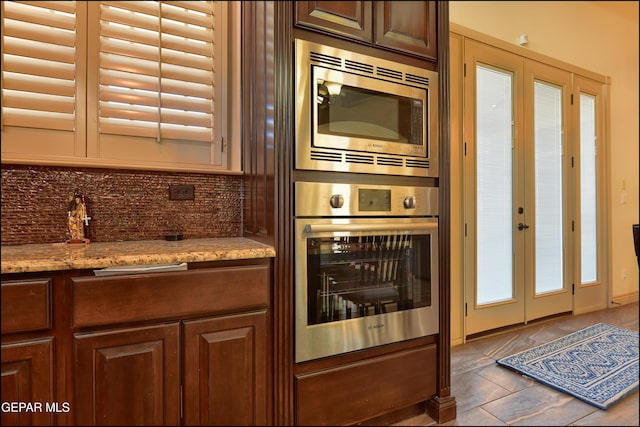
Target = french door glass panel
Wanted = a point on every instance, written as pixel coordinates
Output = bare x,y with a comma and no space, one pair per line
494,178
548,188
588,234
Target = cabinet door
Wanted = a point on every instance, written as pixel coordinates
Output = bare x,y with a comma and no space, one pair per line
128,376
351,19
27,377
225,370
407,26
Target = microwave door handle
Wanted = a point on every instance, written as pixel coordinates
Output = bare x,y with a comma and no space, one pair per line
320,228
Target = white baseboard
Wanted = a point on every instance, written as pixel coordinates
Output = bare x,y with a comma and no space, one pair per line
624,299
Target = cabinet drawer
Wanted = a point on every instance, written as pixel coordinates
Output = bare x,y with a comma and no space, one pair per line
26,305
140,297
349,394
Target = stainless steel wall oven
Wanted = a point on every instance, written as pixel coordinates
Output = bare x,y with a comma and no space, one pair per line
366,266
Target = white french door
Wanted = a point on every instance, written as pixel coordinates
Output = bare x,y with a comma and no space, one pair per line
548,185
517,179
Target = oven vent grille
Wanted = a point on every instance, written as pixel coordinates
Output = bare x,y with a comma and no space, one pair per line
392,74
358,66
389,161
329,157
363,68
326,59
412,78
359,158
417,163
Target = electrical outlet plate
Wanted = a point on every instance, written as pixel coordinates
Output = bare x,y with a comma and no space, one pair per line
181,192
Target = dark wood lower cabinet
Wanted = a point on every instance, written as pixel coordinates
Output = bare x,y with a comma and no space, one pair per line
27,378
128,376
180,348
362,390
225,370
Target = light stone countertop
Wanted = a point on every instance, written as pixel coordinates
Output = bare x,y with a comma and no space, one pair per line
69,256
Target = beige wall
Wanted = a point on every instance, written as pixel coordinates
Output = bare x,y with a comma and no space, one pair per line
601,37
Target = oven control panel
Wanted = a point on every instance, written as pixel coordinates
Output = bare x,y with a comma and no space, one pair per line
323,199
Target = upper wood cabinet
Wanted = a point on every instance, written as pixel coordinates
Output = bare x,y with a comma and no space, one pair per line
408,27
350,19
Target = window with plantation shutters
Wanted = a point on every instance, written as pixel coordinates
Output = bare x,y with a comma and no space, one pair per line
157,76
38,71
140,84
40,95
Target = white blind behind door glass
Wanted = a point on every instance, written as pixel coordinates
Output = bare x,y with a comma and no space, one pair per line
588,187
157,76
548,188
494,188
39,64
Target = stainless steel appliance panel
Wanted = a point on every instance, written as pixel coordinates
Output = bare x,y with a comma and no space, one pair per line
319,199
354,149
366,266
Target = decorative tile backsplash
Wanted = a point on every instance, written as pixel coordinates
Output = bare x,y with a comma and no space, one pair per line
123,205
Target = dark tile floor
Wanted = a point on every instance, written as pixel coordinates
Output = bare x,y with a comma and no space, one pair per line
489,395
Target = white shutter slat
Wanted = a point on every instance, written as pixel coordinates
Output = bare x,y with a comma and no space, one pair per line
137,113
188,33
23,30
125,64
39,50
37,13
186,118
117,127
131,96
176,72
130,19
37,101
143,7
195,6
191,133
149,130
129,80
186,88
60,6
124,34
145,117
46,120
22,65
130,50
25,83
188,104
177,12
186,60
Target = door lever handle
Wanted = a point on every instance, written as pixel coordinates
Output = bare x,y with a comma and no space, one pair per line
522,226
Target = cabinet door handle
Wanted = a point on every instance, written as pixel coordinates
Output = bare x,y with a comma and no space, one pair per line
522,226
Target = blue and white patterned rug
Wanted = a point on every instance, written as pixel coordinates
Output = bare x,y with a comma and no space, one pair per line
597,364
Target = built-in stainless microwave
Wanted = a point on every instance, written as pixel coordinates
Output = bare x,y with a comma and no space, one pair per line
357,113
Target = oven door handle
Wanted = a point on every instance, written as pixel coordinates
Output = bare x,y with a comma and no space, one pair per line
320,228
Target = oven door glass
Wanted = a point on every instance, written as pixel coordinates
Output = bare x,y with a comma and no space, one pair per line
363,283
351,277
